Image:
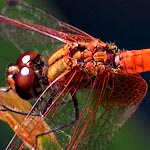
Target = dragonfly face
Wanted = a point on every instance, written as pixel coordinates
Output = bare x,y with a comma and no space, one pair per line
25,76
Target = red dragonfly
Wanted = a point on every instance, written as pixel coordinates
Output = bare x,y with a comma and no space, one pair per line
87,89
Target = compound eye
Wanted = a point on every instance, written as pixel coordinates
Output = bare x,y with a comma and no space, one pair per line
26,83
25,78
26,58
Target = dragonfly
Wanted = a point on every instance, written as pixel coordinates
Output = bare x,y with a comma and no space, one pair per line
86,89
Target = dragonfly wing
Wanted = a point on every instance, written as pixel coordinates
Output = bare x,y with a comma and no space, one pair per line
106,103
26,39
15,120
104,108
104,112
22,38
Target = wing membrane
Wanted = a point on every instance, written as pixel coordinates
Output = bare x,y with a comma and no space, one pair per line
104,108
107,111
15,120
103,105
49,25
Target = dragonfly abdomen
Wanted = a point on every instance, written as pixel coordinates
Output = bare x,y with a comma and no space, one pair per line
135,61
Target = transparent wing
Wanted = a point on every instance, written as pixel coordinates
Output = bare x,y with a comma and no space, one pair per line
103,110
104,106
105,115
33,36
9,100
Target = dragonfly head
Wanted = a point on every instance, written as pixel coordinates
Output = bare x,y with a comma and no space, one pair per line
25,77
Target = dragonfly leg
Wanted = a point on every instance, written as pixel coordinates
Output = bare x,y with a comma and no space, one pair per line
50,100
76,117
35,109
5,108
17,112
12,110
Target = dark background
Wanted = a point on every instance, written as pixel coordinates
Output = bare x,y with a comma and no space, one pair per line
125,22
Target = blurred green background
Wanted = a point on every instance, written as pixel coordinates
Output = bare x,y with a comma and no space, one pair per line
121,21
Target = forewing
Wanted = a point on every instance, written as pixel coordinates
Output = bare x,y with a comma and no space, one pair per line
54,32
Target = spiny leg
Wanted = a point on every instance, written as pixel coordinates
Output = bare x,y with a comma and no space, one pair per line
35,109
48,104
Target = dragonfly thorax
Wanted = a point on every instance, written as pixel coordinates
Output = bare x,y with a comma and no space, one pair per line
90,58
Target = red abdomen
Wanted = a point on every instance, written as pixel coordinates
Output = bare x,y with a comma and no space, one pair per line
135,61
